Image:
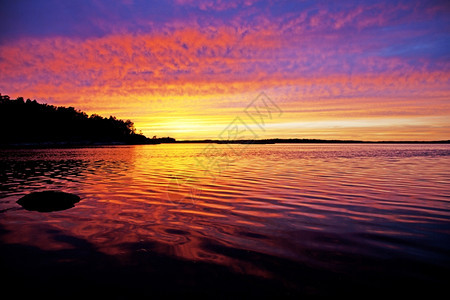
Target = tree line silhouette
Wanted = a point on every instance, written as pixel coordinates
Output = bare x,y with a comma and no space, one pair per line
27,121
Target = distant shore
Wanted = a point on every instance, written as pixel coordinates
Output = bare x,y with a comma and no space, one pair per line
308,141
76,144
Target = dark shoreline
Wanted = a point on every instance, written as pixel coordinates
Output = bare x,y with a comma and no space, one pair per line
308,141
62,145
68,144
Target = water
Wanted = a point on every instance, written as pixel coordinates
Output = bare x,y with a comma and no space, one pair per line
284,219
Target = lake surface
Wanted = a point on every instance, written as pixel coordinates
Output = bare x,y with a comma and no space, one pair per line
227,220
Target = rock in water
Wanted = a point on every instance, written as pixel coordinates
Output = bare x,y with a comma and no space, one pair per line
48,201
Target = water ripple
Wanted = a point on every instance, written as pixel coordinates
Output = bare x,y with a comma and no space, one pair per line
303,203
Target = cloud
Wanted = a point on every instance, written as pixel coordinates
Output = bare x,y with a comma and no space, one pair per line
372,60
196,62
216,5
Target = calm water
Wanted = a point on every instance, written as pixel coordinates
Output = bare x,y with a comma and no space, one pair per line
226,219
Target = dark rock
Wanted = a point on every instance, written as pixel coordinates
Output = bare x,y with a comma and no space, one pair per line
48,201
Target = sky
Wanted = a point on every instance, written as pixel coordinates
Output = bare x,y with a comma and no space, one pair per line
368,70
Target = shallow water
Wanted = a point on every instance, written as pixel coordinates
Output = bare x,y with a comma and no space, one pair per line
305,218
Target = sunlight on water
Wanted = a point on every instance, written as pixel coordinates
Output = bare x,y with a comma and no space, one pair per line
320,205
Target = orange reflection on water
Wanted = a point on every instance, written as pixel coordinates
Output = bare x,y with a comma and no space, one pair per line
272,200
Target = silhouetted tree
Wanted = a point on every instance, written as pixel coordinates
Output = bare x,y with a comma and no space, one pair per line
31,122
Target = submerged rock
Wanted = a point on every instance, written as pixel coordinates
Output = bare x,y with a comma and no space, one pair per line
48,201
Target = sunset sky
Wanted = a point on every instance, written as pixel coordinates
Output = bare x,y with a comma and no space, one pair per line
370,70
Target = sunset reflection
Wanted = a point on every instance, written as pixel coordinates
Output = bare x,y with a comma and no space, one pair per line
130,203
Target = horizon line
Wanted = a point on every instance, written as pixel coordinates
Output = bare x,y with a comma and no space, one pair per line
305,140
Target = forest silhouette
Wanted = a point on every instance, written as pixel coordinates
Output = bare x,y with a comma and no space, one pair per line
25,122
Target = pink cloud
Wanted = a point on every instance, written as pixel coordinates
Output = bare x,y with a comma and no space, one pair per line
217,5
